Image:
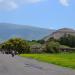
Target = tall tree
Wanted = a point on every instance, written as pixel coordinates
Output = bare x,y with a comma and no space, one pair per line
16,44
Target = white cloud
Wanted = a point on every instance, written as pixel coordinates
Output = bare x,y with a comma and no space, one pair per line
13,4
64,2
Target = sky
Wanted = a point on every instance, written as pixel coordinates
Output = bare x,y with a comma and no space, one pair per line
51,14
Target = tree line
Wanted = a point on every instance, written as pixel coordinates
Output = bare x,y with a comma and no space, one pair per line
51,46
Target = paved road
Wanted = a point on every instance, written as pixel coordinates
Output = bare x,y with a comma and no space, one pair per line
23,66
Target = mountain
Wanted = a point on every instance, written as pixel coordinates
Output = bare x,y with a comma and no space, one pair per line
8,30
60,32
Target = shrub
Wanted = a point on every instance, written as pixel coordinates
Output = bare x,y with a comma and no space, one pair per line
52,47
16,44
68,40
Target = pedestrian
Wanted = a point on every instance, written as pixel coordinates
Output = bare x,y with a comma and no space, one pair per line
13,53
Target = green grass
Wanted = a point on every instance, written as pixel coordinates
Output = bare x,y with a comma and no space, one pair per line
62,59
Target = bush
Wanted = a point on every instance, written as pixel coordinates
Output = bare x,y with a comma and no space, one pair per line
52,47
68,40
41,41
17,44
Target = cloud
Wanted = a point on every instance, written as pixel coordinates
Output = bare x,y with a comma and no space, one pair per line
13,4
64,2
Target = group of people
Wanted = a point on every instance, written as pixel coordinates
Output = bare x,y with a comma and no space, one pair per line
13,53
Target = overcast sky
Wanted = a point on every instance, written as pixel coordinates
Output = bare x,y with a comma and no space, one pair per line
53,14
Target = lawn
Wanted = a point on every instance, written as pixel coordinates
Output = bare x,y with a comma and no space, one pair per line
62,59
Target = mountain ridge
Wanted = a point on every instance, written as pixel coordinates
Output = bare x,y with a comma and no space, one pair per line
9,30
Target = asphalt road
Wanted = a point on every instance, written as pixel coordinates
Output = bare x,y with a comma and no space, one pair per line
23,66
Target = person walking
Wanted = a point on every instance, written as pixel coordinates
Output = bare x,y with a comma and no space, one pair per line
13,53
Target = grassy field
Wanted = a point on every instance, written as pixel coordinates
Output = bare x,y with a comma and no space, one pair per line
63,59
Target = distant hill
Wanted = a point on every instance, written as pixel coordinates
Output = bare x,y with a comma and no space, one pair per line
59,33
8,30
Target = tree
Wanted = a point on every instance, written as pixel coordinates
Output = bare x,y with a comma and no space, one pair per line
52,47
41,41
68,40
17,44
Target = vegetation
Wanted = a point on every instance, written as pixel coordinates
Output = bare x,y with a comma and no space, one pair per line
41,41
62,59
52,47
68,40
17,44
32,42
